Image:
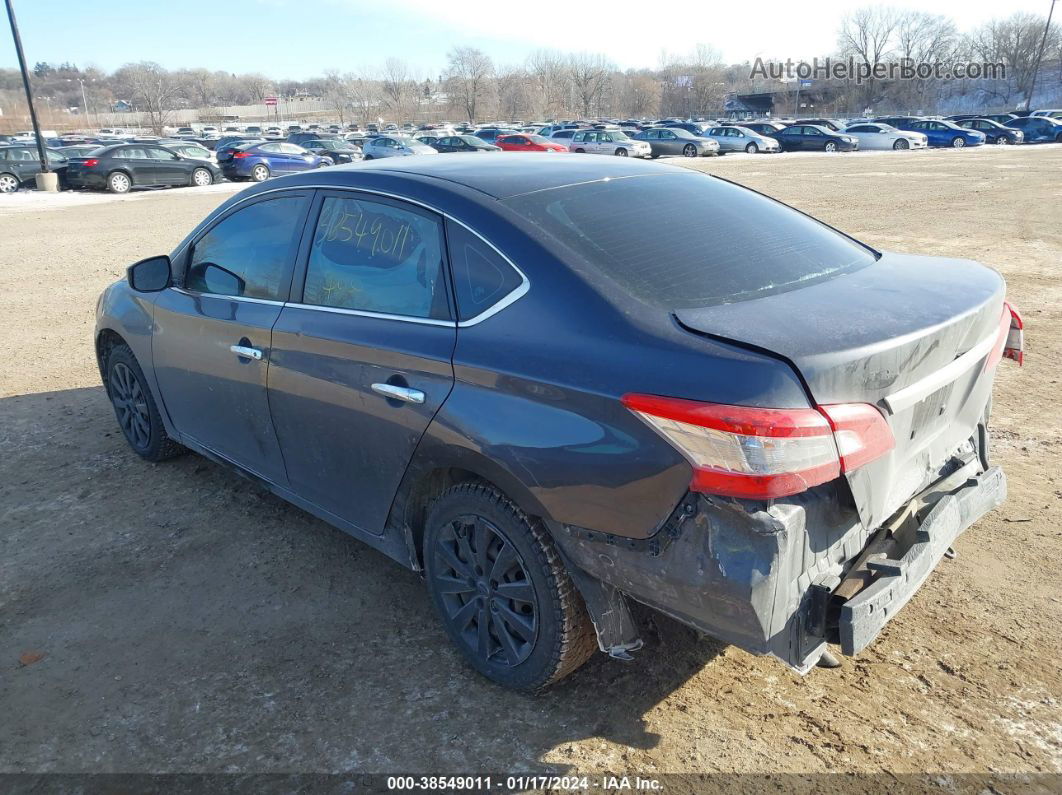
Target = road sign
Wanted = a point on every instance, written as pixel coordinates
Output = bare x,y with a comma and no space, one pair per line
270,101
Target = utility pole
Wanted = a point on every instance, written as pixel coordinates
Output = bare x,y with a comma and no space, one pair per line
29,96
1039,57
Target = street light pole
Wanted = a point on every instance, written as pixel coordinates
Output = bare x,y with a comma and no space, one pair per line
1039,57
26,85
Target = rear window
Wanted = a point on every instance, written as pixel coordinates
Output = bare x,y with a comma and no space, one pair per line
688,240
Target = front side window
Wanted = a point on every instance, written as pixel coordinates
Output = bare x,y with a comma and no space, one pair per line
250,252
376,257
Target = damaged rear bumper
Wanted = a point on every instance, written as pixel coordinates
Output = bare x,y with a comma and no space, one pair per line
864,615
783,578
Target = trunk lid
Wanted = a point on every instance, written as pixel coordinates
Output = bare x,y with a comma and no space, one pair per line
909,334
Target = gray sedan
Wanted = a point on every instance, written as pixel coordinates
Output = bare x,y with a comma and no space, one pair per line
395,146
742,139
676,141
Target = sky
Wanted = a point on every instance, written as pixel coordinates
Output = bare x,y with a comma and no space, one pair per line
298,39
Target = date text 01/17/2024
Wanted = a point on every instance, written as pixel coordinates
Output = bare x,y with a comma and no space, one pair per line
523,783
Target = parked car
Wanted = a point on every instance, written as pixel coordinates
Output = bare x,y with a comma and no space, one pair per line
811,137
691,127
874,135
833,125
301,138
333,151
119,168
488,134
732,138
253,129
565,135
273,133
77,150
944,133
462,143
1052,113
20,165
752,441
1038,129
995,133
191,150
393,145
528,143
260,161
609,142
671,141
765,128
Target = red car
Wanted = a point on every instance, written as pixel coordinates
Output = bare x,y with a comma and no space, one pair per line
528,143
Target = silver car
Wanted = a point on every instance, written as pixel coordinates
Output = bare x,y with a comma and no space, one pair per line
395,146
609,142
741,139
676,141
875,135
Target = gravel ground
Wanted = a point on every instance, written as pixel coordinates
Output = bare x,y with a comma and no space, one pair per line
177,618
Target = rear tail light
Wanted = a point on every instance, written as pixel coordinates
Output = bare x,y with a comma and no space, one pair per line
1010,341
756,453
92,162
241,154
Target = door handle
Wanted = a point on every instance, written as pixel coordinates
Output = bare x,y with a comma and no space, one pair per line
246,352
403,393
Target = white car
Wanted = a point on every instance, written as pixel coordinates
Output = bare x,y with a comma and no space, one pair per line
608,142
1051,113
874,135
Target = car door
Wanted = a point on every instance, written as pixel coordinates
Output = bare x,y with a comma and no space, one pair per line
669,143
170,169
363,360
143,169
211,348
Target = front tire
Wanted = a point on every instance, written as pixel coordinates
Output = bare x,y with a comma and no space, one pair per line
119,182
8,183
750,149
620,152
327,161
830,146
501,590
689,150
901,144
260,173
135,408
958,142
201,177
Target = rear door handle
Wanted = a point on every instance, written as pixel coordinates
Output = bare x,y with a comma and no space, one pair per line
403,393
246,352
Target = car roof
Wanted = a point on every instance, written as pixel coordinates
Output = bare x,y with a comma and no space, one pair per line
512,175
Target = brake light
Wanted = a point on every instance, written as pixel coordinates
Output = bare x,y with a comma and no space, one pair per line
757,453
241,154
92,162
1010,341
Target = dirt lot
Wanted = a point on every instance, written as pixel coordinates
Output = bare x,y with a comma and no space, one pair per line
177,618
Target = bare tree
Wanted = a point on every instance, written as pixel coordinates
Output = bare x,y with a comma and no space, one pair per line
395,85
1013,41
589,76
549,83
869,35
468,74
511,87
151,89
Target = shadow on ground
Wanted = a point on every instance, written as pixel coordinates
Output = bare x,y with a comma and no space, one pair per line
177,617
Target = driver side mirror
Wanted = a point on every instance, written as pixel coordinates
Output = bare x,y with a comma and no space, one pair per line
149,275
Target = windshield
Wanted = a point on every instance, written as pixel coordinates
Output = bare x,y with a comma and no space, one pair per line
618,136
712,242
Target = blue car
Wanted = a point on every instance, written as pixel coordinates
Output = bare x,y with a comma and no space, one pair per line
260,161
944,133
995,133
1038,129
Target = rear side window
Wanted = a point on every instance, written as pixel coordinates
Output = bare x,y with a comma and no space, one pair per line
376,257
687,240
250,252
482,277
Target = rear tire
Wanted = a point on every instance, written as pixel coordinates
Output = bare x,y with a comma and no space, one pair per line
501,590
119,182
581,151
260,173
135,408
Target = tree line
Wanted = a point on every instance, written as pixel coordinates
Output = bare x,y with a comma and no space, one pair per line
550,84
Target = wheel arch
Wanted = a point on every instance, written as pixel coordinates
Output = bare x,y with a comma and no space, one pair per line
432,471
